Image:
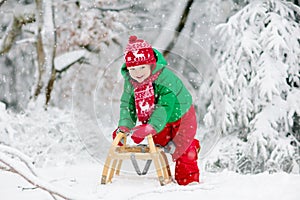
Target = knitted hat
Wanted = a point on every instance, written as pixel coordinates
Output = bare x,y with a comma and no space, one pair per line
138,52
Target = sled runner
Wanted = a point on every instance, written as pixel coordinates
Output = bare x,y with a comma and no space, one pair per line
149,152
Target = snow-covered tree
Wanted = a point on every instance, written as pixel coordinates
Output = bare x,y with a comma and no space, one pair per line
256,92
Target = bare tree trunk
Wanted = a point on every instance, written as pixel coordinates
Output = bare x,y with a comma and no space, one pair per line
172,29
50,10
179,27
40,50
46,39
50,85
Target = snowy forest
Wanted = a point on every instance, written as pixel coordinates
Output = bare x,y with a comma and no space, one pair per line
60,89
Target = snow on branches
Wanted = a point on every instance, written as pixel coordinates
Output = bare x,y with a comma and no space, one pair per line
257,84
14,161
83,24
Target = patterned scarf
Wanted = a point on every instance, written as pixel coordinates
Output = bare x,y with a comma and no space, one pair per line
144,97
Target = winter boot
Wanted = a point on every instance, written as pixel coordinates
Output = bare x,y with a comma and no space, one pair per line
186,169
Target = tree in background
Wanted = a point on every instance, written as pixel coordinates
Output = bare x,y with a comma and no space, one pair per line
256,92
83,25
48,33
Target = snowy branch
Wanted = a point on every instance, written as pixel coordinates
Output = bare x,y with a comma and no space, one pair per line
14,30
4,168
24,158
127,7
26,171
80,60
65,61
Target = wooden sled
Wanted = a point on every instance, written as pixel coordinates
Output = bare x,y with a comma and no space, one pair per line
149,152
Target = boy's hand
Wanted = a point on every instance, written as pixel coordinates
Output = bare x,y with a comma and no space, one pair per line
141,131
123,129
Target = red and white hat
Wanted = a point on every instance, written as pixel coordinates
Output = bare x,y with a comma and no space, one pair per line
138,52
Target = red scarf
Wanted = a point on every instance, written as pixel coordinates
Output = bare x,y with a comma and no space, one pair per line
144,97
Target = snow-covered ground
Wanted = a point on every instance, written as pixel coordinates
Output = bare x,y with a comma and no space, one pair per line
66,167
85,179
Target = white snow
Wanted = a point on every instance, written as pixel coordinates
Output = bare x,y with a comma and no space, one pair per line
66,59
56,156
2,106
85,179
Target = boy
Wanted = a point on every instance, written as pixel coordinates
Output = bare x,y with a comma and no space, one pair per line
157,98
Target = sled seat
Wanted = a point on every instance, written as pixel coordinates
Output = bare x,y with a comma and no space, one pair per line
149,152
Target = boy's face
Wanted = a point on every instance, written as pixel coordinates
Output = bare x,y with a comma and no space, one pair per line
140,72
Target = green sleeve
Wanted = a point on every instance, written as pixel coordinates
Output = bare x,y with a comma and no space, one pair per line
127,107
163,108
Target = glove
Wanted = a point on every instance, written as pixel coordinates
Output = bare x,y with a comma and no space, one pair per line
123,129
141,131
137,140
170,147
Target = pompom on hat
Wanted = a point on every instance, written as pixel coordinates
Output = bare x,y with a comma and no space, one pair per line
138,52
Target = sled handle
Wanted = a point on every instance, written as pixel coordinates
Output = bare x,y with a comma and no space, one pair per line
120,135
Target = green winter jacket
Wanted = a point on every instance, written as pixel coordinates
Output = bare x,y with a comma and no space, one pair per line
172,99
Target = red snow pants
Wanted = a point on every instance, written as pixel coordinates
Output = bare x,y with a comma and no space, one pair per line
182,133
